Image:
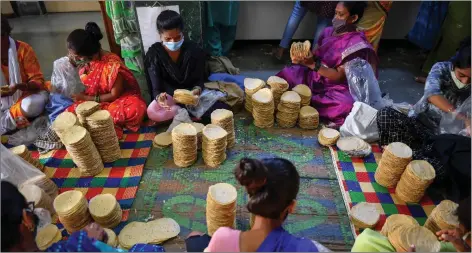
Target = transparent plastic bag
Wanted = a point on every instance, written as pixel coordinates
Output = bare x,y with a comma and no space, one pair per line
361,122
363,84
181,117
15,169
44,217
206,100
28,135
65,78
450,124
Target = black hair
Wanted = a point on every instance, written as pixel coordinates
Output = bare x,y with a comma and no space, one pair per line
6,28
13,203
272,185
169,20
85,42
463,212
462,59
355,8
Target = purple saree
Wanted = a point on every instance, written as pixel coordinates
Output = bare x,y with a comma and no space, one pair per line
280,240
332,99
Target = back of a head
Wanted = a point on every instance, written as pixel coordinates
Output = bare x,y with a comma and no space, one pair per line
13,203
6,28
463,212
85,42
169,20
271,183
355,8
462,60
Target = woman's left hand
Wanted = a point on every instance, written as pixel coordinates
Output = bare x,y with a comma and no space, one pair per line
79,97
196,91
96,232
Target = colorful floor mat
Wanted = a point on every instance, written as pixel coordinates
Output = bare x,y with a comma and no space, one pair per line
180,193
357,183
120,178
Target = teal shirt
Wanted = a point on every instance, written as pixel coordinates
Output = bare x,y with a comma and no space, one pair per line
222,12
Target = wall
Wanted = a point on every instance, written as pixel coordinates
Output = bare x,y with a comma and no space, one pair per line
71,6
6,8
266,20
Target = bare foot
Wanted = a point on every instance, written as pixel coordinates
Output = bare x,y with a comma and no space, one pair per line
420,79
279,52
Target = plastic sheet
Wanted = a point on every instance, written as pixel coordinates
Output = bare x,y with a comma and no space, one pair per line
361,122
65,78
28,135
181,117
15,169
450,124
206,100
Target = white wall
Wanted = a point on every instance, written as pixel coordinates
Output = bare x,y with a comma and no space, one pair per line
266,20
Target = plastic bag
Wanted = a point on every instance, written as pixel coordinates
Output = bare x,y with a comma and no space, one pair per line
65,78
15,169
363,84
450,124
44,217
28,135
162,109
361,122
181,117
206,100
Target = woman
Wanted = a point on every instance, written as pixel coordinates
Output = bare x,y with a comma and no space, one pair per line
447,88
452,239
324,72
107,80
272,185
19,227
324,12
373,21
176,63
23,97
220,29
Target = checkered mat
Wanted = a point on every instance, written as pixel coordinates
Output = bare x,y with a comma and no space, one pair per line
357,183
180,193
120,178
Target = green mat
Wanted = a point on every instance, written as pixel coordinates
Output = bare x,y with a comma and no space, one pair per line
180,193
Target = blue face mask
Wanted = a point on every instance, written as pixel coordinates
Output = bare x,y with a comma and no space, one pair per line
174,46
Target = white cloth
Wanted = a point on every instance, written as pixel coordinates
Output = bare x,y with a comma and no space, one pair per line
14,73
361,122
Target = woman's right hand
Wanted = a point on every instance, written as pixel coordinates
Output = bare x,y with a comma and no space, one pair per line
11,90
453,236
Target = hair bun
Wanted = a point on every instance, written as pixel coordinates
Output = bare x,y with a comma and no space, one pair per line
93,29
251,173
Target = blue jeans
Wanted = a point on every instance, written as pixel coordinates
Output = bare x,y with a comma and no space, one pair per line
298,13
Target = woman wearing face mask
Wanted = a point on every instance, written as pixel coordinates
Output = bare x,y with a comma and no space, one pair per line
447,88
324,72
176,62
272,185
107,80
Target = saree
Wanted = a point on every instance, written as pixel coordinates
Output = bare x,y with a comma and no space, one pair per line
373,21
332,99
99,77
279,240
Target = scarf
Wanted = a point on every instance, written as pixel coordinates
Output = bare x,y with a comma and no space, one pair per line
15,76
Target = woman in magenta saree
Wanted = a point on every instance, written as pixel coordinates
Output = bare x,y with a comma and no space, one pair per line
324,72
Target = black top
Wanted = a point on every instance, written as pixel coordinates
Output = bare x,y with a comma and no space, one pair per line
166,75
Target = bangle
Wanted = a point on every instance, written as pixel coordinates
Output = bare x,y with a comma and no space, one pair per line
97,98
317,65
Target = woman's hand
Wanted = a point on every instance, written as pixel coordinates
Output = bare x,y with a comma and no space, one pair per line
197,91
80,97
95,231
306,61
8,90
453,236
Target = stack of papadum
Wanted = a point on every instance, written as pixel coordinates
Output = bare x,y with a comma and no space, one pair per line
184,143
47,236
364,215
221,207
414,181
403,231
394,160
214,145
71,207
354,146
112,238
63,122
251,86
225,119
86,109
162,140
300,49
199,127
288,109
152,232
304,92
309,118
263,108
102,130
443,217
41,199
105,210
185,97
81,148
23,152
328,136
278,86
44,183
